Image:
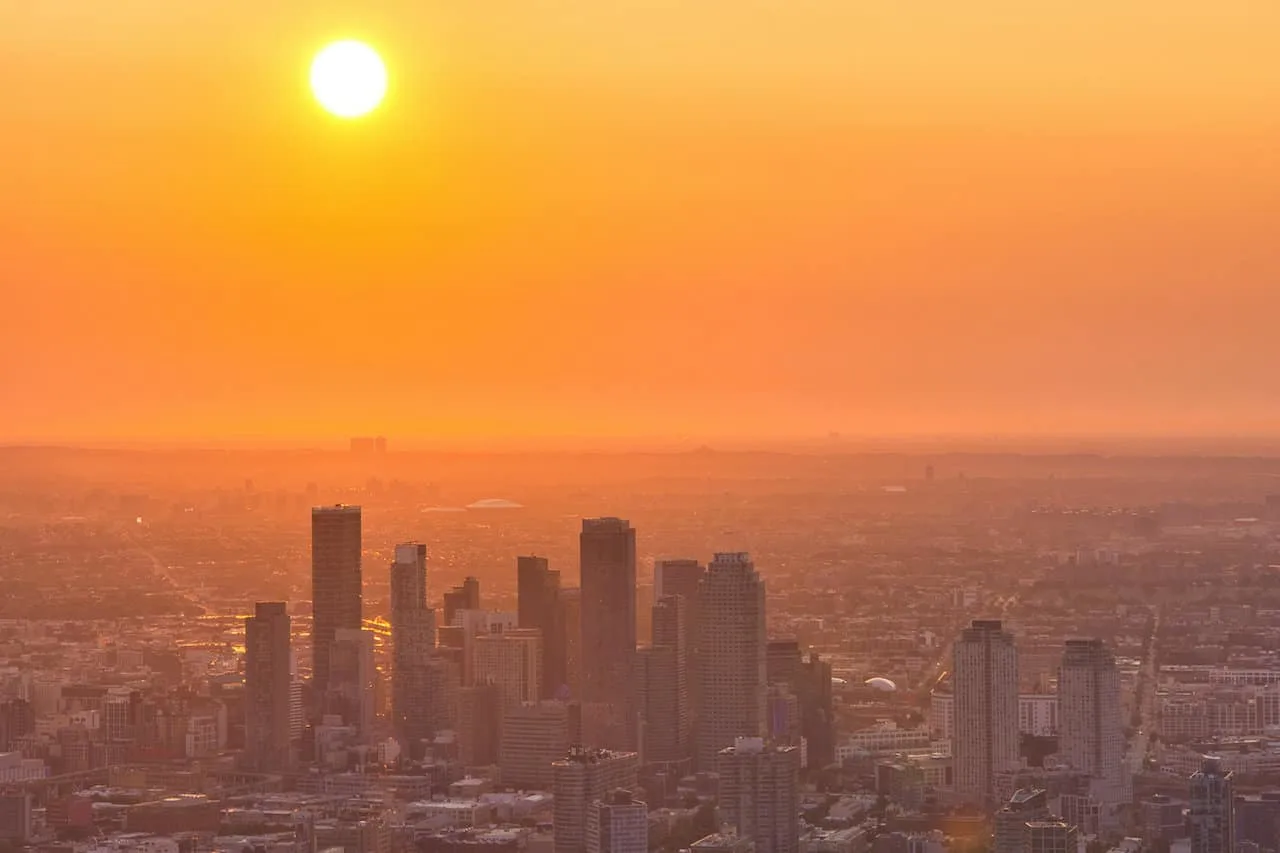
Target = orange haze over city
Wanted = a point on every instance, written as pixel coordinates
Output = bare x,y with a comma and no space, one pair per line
640,218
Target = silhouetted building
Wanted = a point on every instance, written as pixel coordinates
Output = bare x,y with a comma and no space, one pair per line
571,611
663,685
269,741
465,596
480,711
511,659
540,607
352,679
681,577
732,656
608,576
413,632
336,586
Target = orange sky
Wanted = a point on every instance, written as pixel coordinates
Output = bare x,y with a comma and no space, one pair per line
641,217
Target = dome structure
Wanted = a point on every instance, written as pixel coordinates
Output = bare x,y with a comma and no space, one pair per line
883,685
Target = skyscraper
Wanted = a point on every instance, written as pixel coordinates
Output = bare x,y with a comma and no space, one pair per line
511,659
571,610
760,793
413,631
352,679
986,709
336,591
580,779
540,607
619,823
608,562
1090,721
681,577
267,682
1213,815
464,596
663,686
732,656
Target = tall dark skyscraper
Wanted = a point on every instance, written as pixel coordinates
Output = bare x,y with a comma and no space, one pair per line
465,596
608,561
336,590
540,607
986,709
268,735
662,679
412,641
681,577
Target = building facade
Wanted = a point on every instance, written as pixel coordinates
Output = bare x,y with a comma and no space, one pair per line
732,656
985,689
336,584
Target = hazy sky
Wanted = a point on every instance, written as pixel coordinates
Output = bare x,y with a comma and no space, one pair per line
641,217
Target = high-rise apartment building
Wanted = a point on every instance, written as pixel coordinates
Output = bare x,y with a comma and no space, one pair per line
608,571
760,793
661,679
413,631
1212,813
1051,836
619,823
540,608
535,735
352,679
580,779
269,741
1090,720
511,659
732,656
986,709
336,591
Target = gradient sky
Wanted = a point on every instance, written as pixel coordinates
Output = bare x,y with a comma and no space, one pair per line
641,217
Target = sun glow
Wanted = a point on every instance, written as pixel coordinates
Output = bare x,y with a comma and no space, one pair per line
348,78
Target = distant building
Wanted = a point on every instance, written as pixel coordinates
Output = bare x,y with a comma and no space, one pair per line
511,659
607,550
1026,804
353,679
413,630
269,739
541,608
535,735
682,577
759,793
1091,723
465,596
336,585
1051,836
731,605
618,823
661,677
581,778
985,687
1212,809
723,842
480,710
571,610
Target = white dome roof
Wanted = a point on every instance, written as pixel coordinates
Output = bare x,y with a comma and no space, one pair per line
882,684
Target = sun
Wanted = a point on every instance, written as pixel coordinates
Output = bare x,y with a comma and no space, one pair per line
348,78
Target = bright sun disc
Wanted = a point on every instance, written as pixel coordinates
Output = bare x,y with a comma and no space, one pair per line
348,78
